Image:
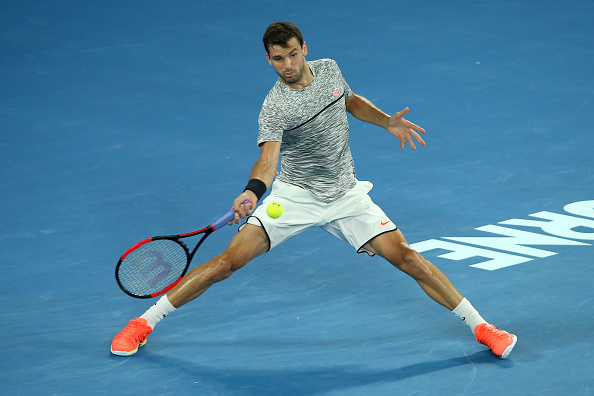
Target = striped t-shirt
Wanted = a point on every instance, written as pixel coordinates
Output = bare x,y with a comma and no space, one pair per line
311,124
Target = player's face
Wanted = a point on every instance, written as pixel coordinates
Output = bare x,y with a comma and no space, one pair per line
289,62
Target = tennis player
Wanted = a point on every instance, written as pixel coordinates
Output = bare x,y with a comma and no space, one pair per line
304,118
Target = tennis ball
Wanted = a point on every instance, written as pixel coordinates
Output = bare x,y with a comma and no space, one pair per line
274,210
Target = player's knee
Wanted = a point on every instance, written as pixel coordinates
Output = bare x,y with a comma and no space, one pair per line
217,270
413,263
225,265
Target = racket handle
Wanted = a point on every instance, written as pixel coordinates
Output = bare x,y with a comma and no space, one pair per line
224,219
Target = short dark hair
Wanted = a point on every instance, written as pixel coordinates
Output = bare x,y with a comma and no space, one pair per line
279,33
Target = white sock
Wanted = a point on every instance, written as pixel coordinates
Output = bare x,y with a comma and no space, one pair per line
468,314
158,311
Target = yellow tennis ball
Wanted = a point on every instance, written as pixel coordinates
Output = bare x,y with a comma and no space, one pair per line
274,210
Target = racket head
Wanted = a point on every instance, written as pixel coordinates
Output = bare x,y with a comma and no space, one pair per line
152,267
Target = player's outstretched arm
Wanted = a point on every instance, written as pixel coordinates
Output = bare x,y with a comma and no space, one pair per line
364,110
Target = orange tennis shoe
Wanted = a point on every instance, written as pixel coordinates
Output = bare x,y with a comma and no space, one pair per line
127,341
500,342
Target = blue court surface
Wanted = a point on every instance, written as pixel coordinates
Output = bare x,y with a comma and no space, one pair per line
120,120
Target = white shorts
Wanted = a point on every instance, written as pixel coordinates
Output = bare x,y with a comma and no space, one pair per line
353,218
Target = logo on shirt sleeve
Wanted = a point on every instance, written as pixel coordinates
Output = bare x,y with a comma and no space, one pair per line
335,93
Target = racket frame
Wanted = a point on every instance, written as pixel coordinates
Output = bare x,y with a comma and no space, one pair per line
226,218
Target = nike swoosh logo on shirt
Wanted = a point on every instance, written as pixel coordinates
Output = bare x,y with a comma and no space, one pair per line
335,93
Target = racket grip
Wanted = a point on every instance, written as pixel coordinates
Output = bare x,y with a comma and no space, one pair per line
224,219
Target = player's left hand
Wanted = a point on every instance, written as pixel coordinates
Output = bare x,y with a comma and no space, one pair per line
404,129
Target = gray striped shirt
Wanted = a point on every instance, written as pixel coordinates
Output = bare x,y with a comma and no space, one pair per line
312,126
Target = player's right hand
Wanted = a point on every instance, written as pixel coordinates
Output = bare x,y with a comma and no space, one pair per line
242,209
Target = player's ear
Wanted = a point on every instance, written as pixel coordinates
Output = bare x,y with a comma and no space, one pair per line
268,57
304,48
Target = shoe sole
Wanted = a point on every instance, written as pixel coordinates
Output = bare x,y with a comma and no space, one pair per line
509,348
127,353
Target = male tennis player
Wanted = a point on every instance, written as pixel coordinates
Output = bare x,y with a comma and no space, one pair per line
304,118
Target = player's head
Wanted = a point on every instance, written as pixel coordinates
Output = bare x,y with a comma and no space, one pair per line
286,51
280,33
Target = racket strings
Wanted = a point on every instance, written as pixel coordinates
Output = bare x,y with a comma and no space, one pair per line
152,266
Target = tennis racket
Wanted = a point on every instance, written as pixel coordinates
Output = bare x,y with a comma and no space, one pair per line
155,265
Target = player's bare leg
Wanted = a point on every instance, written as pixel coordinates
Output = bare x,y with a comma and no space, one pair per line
249,243
393,247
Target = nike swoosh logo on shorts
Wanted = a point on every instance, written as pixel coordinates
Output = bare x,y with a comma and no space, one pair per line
385,222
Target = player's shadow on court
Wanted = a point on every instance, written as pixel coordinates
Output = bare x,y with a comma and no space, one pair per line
311,381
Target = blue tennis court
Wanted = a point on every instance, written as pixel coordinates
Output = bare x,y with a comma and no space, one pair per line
123,120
